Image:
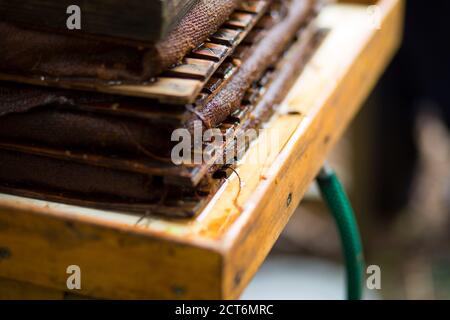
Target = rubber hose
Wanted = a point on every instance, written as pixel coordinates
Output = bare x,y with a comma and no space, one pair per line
339,205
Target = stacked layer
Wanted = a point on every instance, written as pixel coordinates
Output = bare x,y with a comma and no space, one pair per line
110,151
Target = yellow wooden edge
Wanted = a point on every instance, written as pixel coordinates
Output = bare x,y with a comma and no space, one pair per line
328,109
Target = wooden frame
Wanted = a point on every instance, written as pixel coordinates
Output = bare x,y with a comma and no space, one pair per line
215,255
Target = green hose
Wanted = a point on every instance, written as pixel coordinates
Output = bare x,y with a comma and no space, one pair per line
339,205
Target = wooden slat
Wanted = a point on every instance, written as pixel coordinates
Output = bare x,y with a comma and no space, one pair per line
239,20
251,6
170,90
210,51
212,85
193,68
225,36
166,90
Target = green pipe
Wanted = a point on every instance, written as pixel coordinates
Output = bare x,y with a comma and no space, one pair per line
338,203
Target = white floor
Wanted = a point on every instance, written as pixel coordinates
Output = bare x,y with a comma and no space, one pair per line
298,278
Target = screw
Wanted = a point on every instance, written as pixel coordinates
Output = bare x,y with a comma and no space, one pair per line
5,253
289,200
179,291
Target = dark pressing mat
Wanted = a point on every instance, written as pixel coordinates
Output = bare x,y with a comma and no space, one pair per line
183,83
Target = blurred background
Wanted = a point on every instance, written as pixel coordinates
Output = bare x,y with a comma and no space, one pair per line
395,164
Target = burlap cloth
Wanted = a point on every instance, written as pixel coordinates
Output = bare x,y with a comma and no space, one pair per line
28,52
263,55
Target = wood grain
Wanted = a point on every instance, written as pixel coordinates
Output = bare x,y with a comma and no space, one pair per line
15,290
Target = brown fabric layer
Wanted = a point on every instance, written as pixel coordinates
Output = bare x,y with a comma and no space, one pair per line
104,134
34,53
18,98
285,77
96,187
112,135
20,168
86,131
91,186
261,57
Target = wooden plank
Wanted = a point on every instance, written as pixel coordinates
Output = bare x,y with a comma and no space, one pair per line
216,254
41,246
210,51
225,36
239,20
171,90
327,107
251,6
15,290
193,68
